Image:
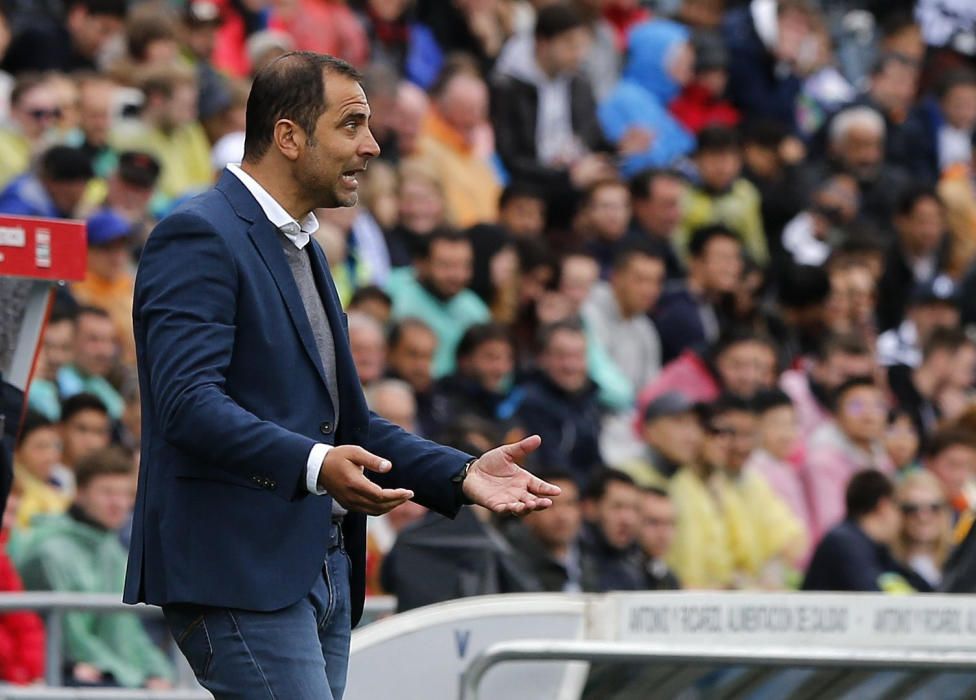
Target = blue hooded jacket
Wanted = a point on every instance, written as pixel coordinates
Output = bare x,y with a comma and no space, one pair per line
642,96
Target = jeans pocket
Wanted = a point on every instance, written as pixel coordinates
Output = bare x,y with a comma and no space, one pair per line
193,639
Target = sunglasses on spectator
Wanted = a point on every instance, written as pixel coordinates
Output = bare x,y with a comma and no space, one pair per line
858,407
41,114
916,508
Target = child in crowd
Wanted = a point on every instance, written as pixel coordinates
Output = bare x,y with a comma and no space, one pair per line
902,442
36,458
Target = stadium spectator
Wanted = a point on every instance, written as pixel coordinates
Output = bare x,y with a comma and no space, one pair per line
77,42
951,456
54,191
941,128
902,442
559,402
34,113
655,536
393,399
852,442
810,237
856,554
36,459
410,357
779,442
129,191
702,102
372,301
21,632
448,146
926,526
421,210
79,552
722,195
687,313
439,294
602,220
957,190
94,357
368,346
933,304
611,506
920,254
671,434
522,211
57,350
85,428
635,117
656,197
547,543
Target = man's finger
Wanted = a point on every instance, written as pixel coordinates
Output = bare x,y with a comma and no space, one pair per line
367,490
367,460
539,487
518,450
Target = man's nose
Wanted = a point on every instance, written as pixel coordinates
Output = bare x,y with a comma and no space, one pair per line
369,148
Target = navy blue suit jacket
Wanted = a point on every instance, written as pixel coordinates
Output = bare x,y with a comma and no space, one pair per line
234,397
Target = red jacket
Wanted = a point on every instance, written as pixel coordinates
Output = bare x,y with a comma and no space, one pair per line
21,633
697,108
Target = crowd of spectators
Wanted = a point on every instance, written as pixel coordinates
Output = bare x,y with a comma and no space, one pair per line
719,254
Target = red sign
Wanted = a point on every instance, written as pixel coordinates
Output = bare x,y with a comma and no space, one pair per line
46,249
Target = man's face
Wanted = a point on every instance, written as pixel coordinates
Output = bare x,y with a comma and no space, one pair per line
955,466
180,107
111,260
128,199
91,32
719,169
420,206
523,217
660,212
841,366
862,414
330,160
464,105
638,285
36,111
40,451
618,514
720,265
657,525
861,153
108,499
558,525
448,268
565,360
95,112
922,229
963,368
95,344
59,346
564,54
578,275
66,194
959,105
895,87
368,350
745,368
779,430
741,428
412,357
609,212
678,438
85,432
491,363
398,407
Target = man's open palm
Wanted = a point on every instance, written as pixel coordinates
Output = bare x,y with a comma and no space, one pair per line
498,483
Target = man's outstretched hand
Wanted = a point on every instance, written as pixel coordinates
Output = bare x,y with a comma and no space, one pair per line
498,483
342,476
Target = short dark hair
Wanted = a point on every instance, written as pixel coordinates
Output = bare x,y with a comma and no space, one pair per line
481,333
78,403
955,77
656,491
702,236
726,403
803,286
942,440
441,234
557,19
845,343
865,491
770,399
549,331
32,421
718,139
912,195
62,312
108,461
948,339
104,8
370,293
888,58
88,310
631,252
65,164
401,327
290,87
642,184
765,133
600,482
736,335
850,385
520,190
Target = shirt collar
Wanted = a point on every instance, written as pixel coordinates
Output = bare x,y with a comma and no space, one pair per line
297,232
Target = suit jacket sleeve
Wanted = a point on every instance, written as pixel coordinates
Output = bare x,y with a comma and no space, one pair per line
186,302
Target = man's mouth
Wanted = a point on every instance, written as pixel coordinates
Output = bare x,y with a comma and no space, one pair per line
350,177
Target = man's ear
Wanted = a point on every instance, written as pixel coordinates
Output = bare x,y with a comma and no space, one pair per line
289,138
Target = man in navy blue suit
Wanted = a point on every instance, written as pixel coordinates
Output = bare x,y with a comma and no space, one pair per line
249,528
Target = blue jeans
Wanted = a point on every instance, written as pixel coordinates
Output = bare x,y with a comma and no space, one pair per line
298,653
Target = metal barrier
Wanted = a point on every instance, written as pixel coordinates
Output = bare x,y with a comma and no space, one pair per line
53,605
844,661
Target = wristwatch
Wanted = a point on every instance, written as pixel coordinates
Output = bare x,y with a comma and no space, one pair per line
458,480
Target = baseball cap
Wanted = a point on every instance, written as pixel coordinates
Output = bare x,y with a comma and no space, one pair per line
138,168
939,289
107,226
672,403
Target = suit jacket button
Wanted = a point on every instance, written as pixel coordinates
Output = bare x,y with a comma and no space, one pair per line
270,485
326,427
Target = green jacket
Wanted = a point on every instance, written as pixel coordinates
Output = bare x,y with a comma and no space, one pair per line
60,553
740,209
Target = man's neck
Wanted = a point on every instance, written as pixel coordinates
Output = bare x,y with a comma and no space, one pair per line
625,313
281,187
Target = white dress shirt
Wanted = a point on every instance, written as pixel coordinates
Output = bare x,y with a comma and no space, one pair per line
299,233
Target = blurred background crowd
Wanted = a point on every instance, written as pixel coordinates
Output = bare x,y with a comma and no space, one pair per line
720,255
